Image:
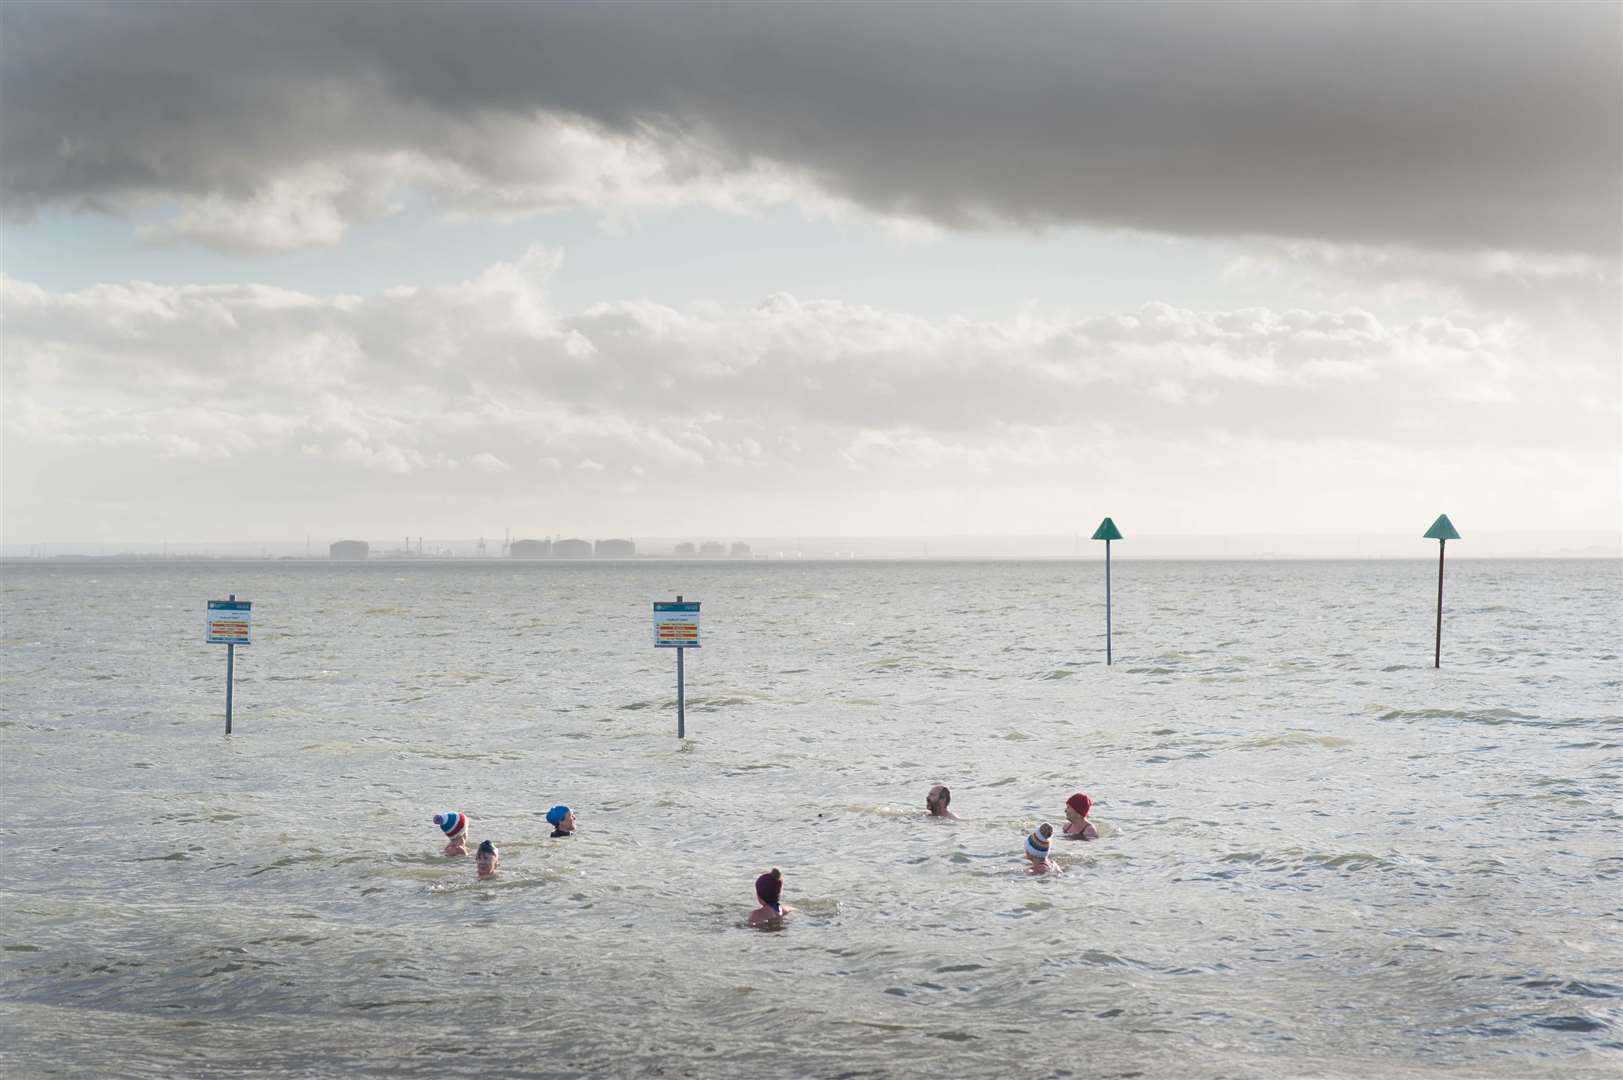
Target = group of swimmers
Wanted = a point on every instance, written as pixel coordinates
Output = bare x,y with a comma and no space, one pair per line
769,886
1077,826
454,824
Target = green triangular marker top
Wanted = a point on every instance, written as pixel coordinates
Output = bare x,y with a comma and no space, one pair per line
1107,531
1441,529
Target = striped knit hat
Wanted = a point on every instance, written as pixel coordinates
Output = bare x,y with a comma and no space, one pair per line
452,823
1037,842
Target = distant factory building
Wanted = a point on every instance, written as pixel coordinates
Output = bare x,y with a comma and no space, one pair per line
685,548
529,549
348,550
615,549
712,549
739,550
571,549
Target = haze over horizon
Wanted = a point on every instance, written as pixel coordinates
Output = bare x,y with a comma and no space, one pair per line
831,271
1078,546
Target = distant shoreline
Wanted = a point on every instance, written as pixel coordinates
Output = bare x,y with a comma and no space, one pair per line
738,549
465,560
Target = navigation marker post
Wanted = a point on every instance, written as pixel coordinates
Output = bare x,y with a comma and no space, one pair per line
676,626
1442,530
1107,532
228,624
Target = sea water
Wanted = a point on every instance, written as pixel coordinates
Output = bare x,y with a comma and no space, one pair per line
1320,855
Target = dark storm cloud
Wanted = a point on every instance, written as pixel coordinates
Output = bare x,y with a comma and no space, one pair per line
1430,125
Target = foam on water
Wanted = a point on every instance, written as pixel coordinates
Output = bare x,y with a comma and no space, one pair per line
1319,855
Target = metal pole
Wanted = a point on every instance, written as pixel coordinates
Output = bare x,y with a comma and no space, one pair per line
230,671
681,703
1437,661
1107,603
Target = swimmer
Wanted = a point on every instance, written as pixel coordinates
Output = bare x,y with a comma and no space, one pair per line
562,820
769,891
488,859
455,826
1077,825
1037,850
936,803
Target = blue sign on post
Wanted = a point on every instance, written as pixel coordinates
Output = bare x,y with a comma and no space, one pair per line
676,626
229,623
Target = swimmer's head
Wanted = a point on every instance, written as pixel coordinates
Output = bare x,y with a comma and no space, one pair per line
562,818
451,823
769,888
938,800
1077,806
1037,842
487,858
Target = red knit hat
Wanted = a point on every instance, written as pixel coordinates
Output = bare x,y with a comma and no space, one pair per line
1080,803
769,887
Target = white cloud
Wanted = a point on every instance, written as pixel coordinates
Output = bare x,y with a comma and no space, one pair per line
486,462
489,168
439,400
309,205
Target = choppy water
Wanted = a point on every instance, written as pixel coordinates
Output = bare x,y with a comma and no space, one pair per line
1321,856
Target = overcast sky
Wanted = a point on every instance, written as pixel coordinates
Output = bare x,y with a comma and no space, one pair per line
688,269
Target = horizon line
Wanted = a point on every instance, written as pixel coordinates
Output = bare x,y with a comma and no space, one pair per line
823,537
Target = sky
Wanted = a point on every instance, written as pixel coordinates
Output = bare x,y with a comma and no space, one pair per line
372,270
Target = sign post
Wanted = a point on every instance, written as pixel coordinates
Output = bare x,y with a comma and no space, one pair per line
676,626
228,624
1107,532
1442,530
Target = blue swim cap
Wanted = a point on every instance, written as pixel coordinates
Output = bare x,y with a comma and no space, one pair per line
556,815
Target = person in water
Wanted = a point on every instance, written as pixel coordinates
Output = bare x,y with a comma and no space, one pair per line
1037,850
1077,825
937,800
562,820
769,891
454,826
487,860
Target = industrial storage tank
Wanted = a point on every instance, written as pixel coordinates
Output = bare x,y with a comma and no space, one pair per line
615,549
348,550
529,549
571,549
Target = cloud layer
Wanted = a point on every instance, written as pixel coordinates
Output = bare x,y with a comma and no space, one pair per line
266,126
460,399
